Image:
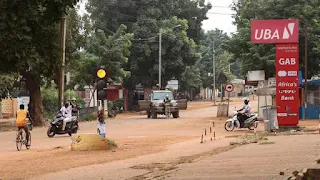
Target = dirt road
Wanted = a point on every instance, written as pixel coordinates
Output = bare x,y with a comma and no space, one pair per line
135,134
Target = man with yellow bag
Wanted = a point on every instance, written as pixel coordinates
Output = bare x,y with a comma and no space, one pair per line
21,121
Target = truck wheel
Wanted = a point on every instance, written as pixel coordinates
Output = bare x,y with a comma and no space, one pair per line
175,114
148,114
154,115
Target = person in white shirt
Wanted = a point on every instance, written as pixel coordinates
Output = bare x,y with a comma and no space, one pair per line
101,127
246,111
66,111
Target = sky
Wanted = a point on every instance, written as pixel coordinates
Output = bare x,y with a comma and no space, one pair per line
221,20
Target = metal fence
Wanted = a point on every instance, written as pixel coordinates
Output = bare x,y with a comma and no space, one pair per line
313,96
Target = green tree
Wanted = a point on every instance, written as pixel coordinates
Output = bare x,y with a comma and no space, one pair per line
29,43
256,57
7,82
145,19
110,52
178,51
222,58
191,78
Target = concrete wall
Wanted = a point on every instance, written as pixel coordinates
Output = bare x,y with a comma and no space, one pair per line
9,108
265,101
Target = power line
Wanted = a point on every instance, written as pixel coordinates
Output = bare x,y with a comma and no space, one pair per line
221,7
220,13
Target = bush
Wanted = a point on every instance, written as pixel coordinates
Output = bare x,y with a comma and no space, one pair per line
89,117
119,103
50,100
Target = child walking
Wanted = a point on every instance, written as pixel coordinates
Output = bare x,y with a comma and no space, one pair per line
101,126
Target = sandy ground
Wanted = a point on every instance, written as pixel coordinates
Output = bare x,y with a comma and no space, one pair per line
135,134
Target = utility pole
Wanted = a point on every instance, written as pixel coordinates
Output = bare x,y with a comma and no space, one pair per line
305,69
63,53
160,49
214,74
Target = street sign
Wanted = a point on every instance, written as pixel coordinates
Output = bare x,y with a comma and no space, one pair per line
229,87
287,84
274,31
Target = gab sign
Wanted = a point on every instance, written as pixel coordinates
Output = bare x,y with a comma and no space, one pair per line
287,89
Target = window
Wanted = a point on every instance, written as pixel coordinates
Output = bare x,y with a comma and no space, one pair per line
162,95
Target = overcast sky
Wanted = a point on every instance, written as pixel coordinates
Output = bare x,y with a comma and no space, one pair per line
221,20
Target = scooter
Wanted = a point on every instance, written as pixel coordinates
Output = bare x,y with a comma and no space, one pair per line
56,126
251,123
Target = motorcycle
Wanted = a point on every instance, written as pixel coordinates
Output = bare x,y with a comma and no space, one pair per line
56,126
251,122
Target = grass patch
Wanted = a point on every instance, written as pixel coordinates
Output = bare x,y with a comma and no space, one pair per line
89,117
232,136
248,138
113,144
266,143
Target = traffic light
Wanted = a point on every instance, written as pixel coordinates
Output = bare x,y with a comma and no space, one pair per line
102,82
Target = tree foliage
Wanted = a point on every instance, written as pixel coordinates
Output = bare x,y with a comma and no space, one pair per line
256,57
7,82
145,19
29,43
222,58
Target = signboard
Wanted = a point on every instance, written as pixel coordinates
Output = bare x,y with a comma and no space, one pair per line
274,31
272,82
25,100
259,75
287,84
173,84
229,87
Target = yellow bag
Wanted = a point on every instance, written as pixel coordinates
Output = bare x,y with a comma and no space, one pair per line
21,118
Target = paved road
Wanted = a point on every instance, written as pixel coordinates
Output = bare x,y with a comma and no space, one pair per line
256,162
121,128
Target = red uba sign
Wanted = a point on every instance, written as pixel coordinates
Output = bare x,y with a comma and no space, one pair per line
274,31
287,90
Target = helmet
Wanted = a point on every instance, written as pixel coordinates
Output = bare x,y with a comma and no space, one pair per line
246,100
73,99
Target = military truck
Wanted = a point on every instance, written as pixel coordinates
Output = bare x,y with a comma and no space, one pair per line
155,104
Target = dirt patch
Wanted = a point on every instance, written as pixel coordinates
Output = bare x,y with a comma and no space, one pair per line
62,158
7,125
158,170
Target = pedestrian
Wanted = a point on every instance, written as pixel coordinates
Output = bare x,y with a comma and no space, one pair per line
101,127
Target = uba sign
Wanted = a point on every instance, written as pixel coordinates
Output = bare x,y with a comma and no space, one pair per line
274,31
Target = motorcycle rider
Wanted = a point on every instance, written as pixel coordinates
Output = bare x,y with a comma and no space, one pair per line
246,111
66,111
75,107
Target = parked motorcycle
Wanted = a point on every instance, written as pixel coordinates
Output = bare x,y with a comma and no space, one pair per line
250,123
56,126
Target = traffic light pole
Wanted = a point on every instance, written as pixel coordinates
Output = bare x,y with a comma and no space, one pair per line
103,109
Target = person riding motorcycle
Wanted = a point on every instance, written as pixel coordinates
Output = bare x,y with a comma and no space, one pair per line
66,111
245,112
75,107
